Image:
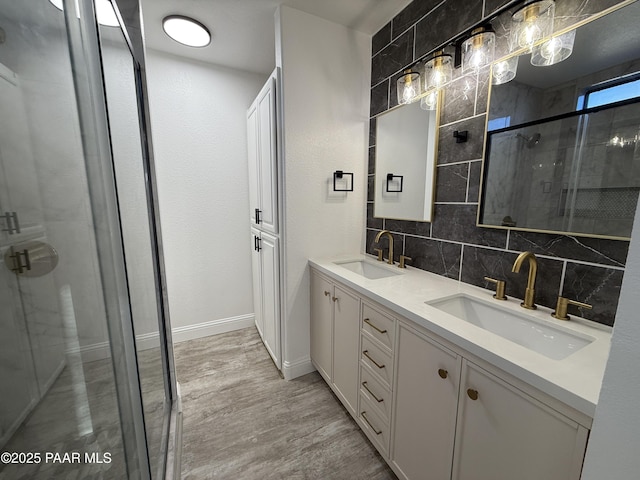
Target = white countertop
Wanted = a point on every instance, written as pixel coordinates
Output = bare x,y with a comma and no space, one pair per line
574,380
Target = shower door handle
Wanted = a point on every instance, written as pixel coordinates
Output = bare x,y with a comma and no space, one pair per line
18,266
13,225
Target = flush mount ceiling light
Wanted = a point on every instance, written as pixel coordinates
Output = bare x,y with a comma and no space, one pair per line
553,51
409,87
504,71
438,71
186,31
104,12
532,23
478,50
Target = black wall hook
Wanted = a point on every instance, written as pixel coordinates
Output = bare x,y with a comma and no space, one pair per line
461,136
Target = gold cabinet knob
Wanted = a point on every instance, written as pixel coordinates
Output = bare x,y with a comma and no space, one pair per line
473,394
335,299
443,373
326,293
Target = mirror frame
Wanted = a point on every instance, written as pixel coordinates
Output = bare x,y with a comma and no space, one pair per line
523,51
432,200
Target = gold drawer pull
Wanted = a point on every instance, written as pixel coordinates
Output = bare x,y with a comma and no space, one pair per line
364,417
368,322
473,394
443,373
366,354
335,299
326,294
364,384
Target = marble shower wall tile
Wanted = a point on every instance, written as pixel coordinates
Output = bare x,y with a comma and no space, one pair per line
594,267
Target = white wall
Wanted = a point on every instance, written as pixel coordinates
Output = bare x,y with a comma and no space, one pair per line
198,120
325,78
614,445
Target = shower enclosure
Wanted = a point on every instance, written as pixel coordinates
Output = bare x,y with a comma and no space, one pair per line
87,383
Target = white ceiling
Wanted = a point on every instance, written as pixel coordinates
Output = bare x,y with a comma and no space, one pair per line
243,30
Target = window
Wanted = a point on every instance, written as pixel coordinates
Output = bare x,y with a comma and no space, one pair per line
616,91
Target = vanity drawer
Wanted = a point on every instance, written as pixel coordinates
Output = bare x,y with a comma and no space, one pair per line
373,425
378,325
375,392
378,360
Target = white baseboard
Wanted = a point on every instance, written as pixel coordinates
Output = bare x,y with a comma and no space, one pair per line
214,327
297,368
101,350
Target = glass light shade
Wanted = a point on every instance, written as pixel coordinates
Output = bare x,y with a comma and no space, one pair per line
104,12
532,23
186,31
478,50
504,71
438,71
409,87
430,100
554,50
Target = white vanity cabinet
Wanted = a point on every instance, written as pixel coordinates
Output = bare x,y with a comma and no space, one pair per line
335,330
432,409
504,433
427,384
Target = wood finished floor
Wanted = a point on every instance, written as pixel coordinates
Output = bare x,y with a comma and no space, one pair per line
243,422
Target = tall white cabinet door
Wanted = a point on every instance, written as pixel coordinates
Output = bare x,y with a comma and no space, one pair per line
256,265
253,161
427,379
346,337
503,433
266,102
271,296
321,324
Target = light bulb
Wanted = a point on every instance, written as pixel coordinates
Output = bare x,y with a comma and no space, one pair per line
429,101
532,23
408,87
504,71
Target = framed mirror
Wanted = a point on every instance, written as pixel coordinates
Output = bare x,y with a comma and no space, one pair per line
562,149
406,146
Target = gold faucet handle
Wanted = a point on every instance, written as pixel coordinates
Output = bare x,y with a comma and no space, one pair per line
379,252
403,259
500,286
561,308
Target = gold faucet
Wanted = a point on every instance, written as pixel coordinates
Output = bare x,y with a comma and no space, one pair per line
390,237
529,293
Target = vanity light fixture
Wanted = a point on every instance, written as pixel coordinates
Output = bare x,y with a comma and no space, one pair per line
186,31
409,87
104,12
478,50
438,71
430,100
553,51
505,70
532,23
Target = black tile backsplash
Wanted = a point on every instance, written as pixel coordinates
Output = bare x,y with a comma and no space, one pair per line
392,58
586,269
450,19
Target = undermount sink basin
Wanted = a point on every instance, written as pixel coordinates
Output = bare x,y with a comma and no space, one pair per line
367,270
551,341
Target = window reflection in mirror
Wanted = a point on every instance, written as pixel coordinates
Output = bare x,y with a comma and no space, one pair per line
406,146
563,141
